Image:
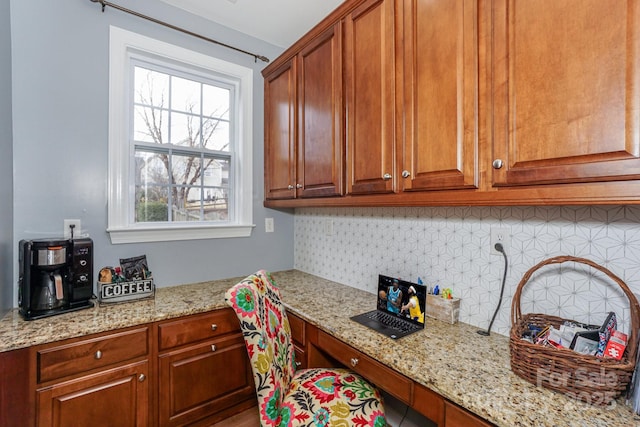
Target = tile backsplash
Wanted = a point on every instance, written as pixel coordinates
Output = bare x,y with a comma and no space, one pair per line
450,246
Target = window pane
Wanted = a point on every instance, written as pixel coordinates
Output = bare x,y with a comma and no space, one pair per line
186,206
185,95
215,102
215,205
216,172
151,168
186,170
150,87
185,130
150,125
151,204
215,135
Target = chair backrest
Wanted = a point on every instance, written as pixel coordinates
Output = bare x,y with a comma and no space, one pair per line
267,334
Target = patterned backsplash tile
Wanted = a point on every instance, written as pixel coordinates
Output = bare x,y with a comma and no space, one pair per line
450,246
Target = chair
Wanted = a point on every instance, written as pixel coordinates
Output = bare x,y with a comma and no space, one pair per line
286,397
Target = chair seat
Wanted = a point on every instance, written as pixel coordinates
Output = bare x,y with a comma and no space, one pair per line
326,397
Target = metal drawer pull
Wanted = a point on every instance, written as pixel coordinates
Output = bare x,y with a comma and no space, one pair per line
354,361
213,347
298,185
290,187
406,174
142,377
498,163
214,327
298,363
98,355
386,176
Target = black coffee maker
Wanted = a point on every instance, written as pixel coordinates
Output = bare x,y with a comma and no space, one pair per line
55,276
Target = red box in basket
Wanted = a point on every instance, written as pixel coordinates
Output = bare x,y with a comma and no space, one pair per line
616,345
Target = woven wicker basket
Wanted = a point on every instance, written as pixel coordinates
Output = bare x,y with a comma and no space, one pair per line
591,379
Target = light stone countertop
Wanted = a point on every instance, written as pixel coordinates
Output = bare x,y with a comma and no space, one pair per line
452,360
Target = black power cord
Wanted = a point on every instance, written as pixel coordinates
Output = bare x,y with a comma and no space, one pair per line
499,248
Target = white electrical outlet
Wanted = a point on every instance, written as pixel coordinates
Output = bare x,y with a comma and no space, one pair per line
328,227
268,225
503,236
76,229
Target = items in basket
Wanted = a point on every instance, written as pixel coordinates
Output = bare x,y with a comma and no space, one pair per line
603,341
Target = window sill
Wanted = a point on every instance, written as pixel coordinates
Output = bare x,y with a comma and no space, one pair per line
144,234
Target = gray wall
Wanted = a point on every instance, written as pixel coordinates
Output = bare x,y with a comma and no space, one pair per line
6,163
60,107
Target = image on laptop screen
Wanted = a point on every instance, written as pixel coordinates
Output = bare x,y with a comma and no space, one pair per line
396,294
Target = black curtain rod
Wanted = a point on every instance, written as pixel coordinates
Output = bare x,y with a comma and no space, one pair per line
173,27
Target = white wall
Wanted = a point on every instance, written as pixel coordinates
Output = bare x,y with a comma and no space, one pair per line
60,103
6,162
450,247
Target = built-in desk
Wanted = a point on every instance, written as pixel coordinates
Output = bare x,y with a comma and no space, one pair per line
445,363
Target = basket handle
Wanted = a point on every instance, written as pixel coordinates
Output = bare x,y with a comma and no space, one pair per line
634,307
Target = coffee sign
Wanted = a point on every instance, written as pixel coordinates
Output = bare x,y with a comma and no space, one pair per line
126,291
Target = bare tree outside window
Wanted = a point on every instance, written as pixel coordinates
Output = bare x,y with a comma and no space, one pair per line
182,140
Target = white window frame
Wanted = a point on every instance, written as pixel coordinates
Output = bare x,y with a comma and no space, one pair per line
124,45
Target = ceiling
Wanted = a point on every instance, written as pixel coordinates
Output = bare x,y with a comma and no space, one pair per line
279,22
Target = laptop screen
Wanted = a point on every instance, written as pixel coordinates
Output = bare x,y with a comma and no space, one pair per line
401,298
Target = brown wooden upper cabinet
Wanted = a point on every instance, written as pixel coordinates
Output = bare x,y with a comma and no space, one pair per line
566,91
303,122
465,102
370,97
440,147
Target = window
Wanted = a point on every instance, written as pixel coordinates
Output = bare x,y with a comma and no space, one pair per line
179,143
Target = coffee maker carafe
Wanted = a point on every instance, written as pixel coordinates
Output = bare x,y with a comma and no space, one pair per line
55,276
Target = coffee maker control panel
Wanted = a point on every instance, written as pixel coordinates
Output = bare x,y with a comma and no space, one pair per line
82,268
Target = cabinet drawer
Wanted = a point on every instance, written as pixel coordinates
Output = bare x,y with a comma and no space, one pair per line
196,328
458,417
297,329
87,354
379,374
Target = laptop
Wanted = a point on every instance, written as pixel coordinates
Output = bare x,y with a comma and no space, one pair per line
388,318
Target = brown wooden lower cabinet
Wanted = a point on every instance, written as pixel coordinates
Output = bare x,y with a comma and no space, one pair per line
190,371
115,397
203,370
199,382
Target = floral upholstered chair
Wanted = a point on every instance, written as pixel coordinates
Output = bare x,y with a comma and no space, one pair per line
286,398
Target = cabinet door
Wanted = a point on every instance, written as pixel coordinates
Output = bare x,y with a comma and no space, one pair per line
320,138
118,397
440,94
566,91
370,97
203,380
280,132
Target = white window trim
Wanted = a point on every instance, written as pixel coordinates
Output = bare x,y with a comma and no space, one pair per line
124,43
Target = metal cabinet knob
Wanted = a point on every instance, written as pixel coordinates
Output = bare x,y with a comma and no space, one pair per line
386,176
354,361
298,185
213,347
498,163
98,355
298,364
214,327
406,174
142,377
290,187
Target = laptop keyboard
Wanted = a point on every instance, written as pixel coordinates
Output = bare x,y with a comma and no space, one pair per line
392,321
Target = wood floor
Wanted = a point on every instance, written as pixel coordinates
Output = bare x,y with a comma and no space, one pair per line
248,418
